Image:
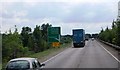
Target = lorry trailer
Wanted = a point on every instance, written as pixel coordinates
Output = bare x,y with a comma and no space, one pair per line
78,37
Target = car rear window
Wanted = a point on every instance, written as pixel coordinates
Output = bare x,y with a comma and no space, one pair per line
19,64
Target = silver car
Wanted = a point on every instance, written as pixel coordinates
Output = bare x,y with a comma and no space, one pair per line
92,39
24,64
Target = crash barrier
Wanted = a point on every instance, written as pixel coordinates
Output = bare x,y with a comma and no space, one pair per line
112,45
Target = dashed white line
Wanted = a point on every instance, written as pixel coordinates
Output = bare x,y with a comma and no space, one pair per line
109,53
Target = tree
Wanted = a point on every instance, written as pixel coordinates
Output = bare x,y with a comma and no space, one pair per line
38,39
95,35
118,33
101,34
66,39
12,46
31,42
25,35
111,35
113,32
44,29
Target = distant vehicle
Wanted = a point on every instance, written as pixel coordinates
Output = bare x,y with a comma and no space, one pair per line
86,37
92,39
24,64
78,38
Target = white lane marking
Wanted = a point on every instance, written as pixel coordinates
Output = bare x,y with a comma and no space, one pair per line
109,53
56,56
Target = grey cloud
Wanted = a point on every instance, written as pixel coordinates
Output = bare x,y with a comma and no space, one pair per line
43,10
85,12
82,13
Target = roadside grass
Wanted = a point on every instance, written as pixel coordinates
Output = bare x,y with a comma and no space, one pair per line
42,56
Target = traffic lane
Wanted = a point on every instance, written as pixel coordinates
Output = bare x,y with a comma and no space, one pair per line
111,50
68,59
91,56
96,57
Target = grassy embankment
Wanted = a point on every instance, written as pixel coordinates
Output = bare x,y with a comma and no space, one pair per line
42,56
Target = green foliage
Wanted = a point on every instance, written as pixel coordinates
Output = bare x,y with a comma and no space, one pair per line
66,39
44,30
94,35
31,42
118,33
88,35
38,39
111,35
27,42
106,35
12,46
25,35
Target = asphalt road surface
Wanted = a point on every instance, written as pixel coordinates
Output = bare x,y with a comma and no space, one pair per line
93,55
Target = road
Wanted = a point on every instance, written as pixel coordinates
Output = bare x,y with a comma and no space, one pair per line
93,55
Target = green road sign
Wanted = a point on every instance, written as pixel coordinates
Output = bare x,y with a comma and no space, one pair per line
54,34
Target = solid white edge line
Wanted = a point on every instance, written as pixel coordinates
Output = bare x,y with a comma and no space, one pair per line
53,57
56,56
109,52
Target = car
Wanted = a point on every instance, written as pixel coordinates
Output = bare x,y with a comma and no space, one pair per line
92,39
24,64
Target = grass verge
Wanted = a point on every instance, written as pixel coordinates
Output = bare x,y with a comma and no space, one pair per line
42,56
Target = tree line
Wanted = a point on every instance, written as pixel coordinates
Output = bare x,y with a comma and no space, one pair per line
27,42
16,44
111,35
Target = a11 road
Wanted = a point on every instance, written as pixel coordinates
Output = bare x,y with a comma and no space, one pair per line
93,55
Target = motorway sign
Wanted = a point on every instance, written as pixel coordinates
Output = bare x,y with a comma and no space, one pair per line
54,34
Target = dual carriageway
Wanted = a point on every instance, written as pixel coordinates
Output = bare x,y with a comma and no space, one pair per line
93,55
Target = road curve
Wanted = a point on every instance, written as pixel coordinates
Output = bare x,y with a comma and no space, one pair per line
91,56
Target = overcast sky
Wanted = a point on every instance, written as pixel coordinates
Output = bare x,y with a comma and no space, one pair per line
90,15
